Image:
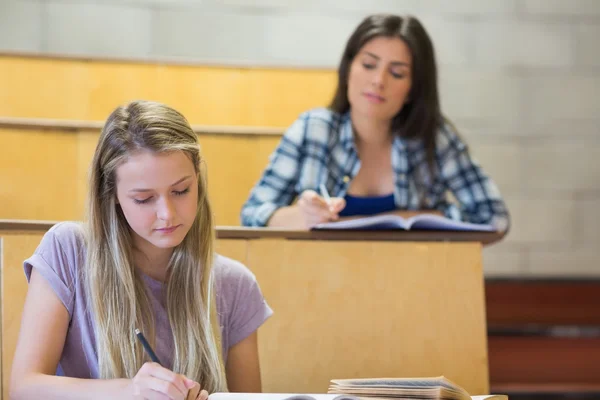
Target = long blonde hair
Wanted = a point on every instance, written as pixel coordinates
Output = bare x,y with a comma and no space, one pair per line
116,292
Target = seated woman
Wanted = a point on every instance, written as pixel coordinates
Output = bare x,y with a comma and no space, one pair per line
144,260
381,145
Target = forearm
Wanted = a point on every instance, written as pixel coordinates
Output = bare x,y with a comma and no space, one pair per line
49,387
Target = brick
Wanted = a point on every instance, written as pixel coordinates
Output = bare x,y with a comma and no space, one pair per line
562,97
561,7
480,94
541,219
94,29
587,47
564,263
514,43
502,260
563,166
21,26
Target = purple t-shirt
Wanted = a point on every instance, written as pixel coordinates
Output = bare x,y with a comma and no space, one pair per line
59,258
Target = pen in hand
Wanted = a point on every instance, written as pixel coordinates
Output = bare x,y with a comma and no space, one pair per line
326,196
147,347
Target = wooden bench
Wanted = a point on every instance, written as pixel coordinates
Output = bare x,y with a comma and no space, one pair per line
544,337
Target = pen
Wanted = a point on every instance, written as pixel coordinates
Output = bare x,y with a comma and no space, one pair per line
324,192
147,347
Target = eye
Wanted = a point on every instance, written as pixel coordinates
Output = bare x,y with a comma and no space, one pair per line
368,66
143,201
182,192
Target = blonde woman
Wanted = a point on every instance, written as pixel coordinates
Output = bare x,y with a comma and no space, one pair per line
144,260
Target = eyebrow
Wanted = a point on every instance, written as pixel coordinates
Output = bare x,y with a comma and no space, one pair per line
149,190
401,63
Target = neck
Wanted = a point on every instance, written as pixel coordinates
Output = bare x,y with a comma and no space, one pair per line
371,132
151,260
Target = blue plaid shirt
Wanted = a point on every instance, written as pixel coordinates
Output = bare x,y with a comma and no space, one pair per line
319,148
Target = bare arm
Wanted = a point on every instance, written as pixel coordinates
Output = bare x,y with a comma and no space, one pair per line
37,356
243,368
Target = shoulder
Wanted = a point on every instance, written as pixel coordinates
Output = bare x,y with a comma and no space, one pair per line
68,237
230,274
448,140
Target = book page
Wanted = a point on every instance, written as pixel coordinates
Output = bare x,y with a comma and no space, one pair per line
439,223
375,222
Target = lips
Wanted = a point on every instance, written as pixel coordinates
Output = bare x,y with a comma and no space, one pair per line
375,98
168,230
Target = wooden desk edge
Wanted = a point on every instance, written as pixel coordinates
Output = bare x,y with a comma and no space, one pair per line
240,232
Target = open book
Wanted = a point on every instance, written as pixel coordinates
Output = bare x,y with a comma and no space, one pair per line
289,396
428,222
439,388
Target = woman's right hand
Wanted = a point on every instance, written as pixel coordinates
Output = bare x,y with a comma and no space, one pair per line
154,382
316,209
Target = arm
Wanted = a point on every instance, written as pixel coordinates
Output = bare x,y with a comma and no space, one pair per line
275,189
37,356
478,196
243,368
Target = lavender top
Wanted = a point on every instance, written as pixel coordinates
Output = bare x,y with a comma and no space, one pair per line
60,257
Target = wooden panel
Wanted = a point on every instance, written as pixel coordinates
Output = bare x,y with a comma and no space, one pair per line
283,94
15,249
54,165
370,309
112,84
543,360
44,88
75,89
543,302
39,175
234,165
233,248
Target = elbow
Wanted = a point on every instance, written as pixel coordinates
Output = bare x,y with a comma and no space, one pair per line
16,390
20,386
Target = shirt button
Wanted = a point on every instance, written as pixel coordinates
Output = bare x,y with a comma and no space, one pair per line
346,179
402,176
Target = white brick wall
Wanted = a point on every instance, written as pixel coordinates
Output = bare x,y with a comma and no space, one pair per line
520,78
563,96
541,218
21,25
563,166
587,46
520,43
588,216
466,93
106,30
561,7
563,263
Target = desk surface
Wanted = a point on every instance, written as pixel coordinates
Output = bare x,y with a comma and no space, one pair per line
240,232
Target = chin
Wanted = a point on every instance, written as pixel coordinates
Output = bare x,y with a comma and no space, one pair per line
167,243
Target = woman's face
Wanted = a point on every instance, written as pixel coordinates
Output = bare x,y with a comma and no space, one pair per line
158,194
380,78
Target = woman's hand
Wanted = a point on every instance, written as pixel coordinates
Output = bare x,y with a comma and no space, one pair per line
154,382
316,209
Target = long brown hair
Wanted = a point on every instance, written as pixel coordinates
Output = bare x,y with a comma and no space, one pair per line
421,116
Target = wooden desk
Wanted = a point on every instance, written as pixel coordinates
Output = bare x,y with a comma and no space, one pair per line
347,304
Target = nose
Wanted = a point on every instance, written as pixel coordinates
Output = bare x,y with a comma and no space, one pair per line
165,210
378,78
